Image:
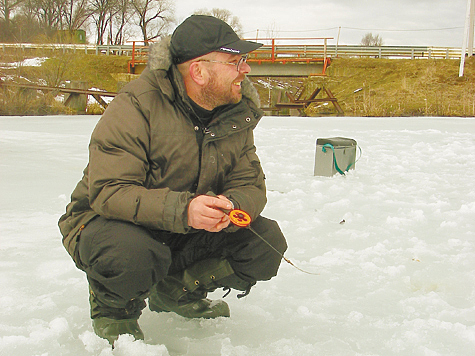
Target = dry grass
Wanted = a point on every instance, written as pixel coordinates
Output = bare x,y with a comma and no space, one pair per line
18,101
399,87
97,70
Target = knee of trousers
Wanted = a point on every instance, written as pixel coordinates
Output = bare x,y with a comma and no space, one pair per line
270,230
255,259
122,260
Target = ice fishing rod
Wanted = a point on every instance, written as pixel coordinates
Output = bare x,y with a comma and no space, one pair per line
242,219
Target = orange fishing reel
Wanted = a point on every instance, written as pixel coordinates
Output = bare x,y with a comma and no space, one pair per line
240,218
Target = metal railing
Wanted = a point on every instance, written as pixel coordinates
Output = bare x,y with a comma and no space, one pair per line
410,52
282,50
85,48
288,50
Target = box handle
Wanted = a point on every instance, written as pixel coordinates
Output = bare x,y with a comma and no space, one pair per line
329,145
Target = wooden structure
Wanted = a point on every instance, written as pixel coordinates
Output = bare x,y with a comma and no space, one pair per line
72,92
300,103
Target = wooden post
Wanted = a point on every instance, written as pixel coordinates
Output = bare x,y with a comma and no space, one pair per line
77,102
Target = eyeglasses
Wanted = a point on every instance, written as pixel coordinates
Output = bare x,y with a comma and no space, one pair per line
238,64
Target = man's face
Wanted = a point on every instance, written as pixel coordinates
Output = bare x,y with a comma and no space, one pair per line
224,84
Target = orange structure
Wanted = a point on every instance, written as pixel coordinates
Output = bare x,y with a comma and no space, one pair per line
289,51
274,51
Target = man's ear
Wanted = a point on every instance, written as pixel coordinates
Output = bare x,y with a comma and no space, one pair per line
198,73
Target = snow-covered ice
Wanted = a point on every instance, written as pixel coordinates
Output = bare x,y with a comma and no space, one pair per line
396,278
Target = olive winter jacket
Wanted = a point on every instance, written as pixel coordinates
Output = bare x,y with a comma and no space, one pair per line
149,155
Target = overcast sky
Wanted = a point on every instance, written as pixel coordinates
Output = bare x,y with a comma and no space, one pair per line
398,22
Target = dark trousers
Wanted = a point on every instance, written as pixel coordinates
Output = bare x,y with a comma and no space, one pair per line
123,260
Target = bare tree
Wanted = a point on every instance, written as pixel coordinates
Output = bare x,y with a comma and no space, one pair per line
6,9
120,21
153,17
49,14
46,17
75,14
26,23
224,15
370,40
101,10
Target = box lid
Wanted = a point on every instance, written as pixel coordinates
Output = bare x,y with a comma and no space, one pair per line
336,141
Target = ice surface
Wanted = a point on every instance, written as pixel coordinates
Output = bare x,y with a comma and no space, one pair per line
395,278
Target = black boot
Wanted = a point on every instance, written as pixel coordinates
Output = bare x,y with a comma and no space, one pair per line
108,322
185,293
194,305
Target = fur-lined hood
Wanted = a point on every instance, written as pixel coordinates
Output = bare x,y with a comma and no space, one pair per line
160,58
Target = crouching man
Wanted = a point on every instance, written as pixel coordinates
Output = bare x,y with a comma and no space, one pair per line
172,153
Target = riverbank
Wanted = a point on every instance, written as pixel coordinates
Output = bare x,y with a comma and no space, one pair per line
400,87
374,87
99,71
363,86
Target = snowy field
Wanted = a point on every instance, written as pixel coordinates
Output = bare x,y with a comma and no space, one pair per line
396,278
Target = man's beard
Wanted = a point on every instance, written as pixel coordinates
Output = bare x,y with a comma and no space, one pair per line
215,95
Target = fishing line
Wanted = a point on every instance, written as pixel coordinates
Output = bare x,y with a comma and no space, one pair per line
242,219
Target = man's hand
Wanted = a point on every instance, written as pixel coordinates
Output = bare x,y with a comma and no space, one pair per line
206,213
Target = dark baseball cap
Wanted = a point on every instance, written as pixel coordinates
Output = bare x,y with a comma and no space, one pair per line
201,34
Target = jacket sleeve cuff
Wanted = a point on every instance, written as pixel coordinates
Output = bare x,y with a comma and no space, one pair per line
175,216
